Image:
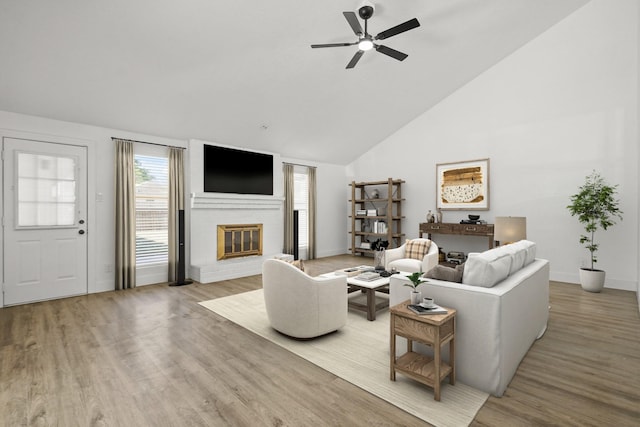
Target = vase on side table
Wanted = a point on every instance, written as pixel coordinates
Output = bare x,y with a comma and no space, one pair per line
416,297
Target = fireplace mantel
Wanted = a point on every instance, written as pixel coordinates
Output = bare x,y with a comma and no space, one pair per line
216,201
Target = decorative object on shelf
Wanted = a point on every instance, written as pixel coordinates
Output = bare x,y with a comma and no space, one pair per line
365,245
596,207
463,185
430,217
416,295
509,229
375,194
473,219
439,215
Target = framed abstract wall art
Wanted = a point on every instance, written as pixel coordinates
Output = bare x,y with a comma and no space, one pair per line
463,185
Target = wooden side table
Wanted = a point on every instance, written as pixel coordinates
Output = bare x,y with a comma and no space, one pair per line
434,330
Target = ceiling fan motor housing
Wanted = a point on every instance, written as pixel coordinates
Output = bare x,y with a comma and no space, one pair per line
366,10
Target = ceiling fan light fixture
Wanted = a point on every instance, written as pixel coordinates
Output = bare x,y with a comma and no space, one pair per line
365,44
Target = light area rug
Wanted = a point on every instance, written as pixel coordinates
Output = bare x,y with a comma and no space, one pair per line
359,354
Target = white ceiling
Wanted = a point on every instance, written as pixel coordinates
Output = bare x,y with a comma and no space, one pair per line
242,73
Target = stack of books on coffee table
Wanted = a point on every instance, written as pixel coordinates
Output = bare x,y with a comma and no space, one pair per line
368,276
354,271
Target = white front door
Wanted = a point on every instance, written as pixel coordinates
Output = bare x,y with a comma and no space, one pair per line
44,220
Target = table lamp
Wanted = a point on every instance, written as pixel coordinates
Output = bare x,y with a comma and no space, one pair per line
509,229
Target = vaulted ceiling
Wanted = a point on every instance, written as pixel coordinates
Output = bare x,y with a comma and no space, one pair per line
242,73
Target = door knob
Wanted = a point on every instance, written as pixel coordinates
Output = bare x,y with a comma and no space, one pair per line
81,232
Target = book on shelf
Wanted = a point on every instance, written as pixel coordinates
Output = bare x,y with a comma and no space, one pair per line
361,212
380,227
372,212
420,309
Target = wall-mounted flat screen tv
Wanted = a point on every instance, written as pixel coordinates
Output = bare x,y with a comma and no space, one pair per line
227,170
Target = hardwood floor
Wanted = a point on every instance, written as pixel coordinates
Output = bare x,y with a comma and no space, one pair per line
152,356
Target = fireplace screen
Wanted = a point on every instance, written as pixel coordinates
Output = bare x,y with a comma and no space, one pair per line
239,240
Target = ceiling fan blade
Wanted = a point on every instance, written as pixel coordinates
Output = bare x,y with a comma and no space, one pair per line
352,19
391,52
333,45
355,59
405,26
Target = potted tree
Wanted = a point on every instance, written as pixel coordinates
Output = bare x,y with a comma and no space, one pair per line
596,207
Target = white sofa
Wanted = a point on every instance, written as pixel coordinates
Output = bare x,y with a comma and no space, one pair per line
395,258
302,306
495,325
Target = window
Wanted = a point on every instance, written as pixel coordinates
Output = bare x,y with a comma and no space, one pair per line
152,209
301,204
46,194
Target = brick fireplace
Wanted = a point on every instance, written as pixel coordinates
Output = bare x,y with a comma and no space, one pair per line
209,261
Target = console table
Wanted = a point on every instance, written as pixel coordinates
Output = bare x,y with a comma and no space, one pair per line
481,230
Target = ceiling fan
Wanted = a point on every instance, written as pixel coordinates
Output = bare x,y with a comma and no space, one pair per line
365,40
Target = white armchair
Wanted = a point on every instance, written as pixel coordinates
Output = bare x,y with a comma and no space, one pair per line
302,306
396,258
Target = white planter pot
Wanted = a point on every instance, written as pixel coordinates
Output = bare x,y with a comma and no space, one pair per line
592,280
416,297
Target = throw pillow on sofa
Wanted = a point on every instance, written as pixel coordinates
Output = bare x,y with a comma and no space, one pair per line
416,249
441,272
486,269
297,263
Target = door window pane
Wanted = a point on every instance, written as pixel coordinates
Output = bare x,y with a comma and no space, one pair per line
46,193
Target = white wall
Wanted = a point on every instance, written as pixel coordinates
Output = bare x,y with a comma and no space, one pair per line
562,105
331,227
